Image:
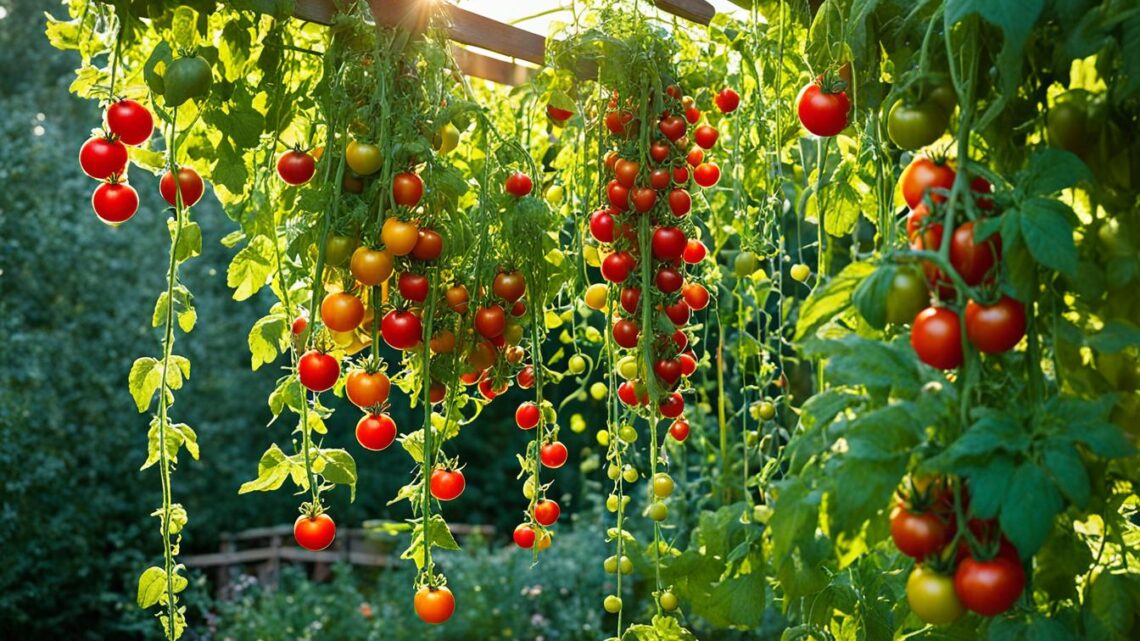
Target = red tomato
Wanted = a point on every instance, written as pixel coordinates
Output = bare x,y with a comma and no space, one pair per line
973,261
375,431
314,533
413,287
706,174
673,127
546,512
705,136
299,325
447,485
558,114
695,157
486,389
643,198
680,203
919,534
681,174
296,167
618,195
115,203
673,406
130,121
401,329
628,394
727,100
997,328
694,251
679,430
679,312
692,114
688,363
434,605
102,158
626,333
490,321
668,280
429,245
554,455
367,389
659,178
602,225
510,286
525,378
318,371
617,266
659,151
190,187
923,174
935,336
989,587
680,340
527,416
625,172
342,312
524,536
695,295
821,113
407,189
519,184
668,370
668,243
630,299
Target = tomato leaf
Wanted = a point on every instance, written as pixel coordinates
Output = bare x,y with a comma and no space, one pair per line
1116,336
250,268
144,380
183,28
1068,472
340,468
1049,171
268,337
666,628
828,301
1048,234
272,470
1029,507
152,587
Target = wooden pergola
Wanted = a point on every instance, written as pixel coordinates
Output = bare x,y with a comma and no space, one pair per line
474,30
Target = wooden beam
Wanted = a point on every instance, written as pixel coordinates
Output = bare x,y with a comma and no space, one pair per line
697,11
493,69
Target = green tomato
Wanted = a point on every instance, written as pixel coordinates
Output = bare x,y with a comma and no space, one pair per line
338,249
625,565
765,410
610,564
629,474
907,296
577,364
745,264
612,604
657,511
598,391
914,126
603,438
627,433
944,96
662,485
1067,126
555,194
528,488
800,272
668,601
577,423
185,79
613,471
761,513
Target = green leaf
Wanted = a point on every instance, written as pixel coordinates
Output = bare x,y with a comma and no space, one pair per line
272,470
152,587
989,483
1116,336
1068,472
340,468
994,432
144,380
795,516
828,301
251,267
288,393
268,337
174,439
437,535
1050,170
183,28
161,55
858,361
1107,612
189,241
1048,234
664,628
871,296
1029,508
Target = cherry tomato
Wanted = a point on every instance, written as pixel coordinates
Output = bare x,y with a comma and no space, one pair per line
617,266
524,536
919,534
680,202
115,203
370,266
558,115
296,167
972,260
314,533
931,597
342,312
338,249
367,389
695,295
695,251
917,125
668,243
673,405
434,605
630,299
727,100
519,184
190,187
660,178
906,297
695,157
102,158
447,485
643,198
625,172
625,333
546,512
399,237
407,189
679,312
602,226
525,378
490,321
130,121
924,174
429,245
688,363
997,328
705,136
673,127
318,371
706,174
443,342
527,416
401,329
618,195
554,455
822,113
363,158
668,279
989,587
936,338
510,286
1067,126
668,370
375,431
457,299
679,430
413,287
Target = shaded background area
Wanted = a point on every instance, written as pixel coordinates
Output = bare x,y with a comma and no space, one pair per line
76,299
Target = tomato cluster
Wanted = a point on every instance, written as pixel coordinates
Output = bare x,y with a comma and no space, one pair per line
960,566
104,157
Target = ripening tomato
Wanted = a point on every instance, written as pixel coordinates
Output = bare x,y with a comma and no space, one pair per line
626,333
673,405
518,184
300,324
367,389
130,121
706,174
922,175
554,455
679,430
618,195
525,378
115,203
413,287
342,312
997,328
936,338
546,512
401,329
375,431
190,187
296,167
617,266
625,172
618,122
443,342
668,279
524,536
510,286
680,202
695,157
338,249
447,485
668,243
363,158
370,266
318,371
457,299
434,605
399,237
931,597
102,158
490,321
429,245
705,136
695,295
823,113
481,355
610,160
695,251
436,392
727,100
919,534
558,115
314,532
972,260
907,296
989,587
630,299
